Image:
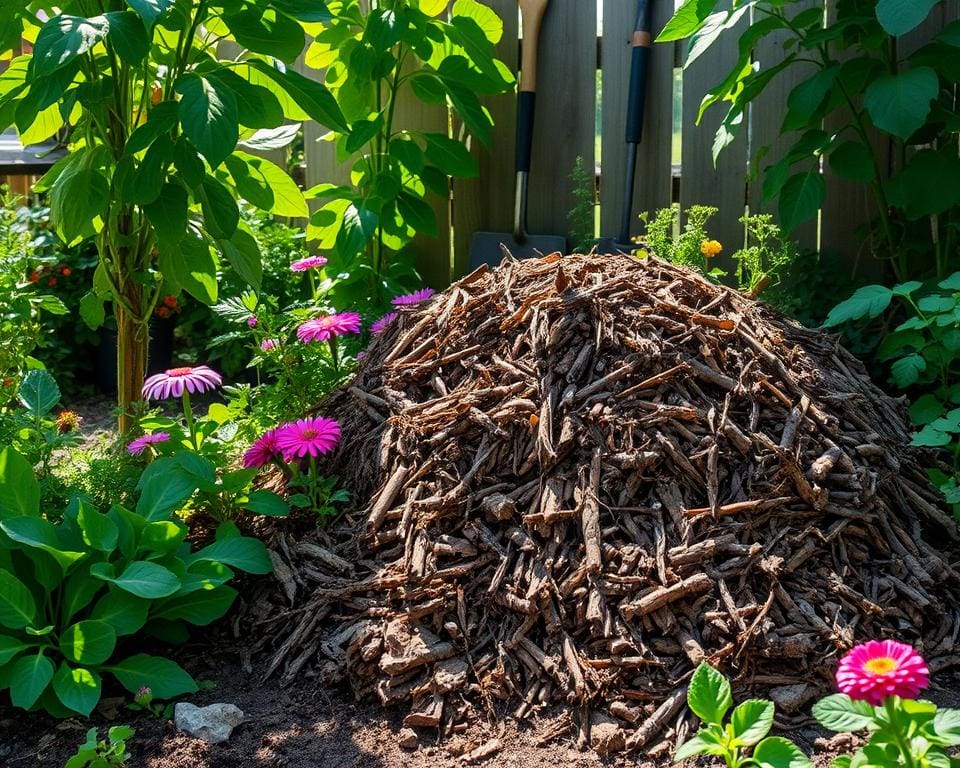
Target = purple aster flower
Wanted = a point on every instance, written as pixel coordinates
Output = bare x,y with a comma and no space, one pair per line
252,321
311,262
408,299
329,326
173,382
381,325
267,344
138,446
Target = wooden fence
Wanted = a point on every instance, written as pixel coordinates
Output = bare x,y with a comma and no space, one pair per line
580,38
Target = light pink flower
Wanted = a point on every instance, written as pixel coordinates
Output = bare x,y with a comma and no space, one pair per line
307,437
263,451
138,446
311,262
329,326
173,382
875,670
381,325
267,344
252,321
416,297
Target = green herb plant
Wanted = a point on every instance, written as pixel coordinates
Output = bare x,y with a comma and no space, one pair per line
890,109
103,753
78,596
678,237
374,53
766,257
903,733
582,215
159,119
741,739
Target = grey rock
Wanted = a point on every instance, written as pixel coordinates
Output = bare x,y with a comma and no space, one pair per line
213,723
408,739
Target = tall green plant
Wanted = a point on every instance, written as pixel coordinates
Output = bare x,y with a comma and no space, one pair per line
159,124
863,93
375,55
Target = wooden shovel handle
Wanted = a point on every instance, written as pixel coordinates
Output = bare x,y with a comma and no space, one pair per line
532,13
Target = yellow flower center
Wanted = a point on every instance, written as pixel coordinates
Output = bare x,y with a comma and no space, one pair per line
309,434
882,665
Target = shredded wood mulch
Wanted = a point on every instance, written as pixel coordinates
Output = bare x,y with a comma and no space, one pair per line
587,475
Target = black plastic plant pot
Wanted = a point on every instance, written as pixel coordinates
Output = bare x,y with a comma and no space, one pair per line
160,353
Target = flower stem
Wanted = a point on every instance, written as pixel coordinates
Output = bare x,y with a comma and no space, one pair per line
334,354
891,708
188,415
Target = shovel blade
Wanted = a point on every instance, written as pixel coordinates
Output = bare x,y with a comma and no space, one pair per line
487,247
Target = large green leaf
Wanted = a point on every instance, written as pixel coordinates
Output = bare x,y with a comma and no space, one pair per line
150,10
164,487
19,490
243,254
78,689
267,31
900,104
39,392
166,679
142,579
124,612
687,20
162,536
208,114
777,752
312,97
752,720
169,214
220,212
88,642
929,185
710,31
39,533
450,156
77,199
801,198
853,160
78,592
128,36
17,607
63,39
900,16
709,695
906,371
842,714
868,302
10,648
29,677
245,553
98,530
191,266
267,186
200,608
265,503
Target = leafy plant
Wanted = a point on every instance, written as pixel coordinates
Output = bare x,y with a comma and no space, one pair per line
682,244
75,592
105,753
710,698
372,53
865,86
582,216
159,123
902,732
765,258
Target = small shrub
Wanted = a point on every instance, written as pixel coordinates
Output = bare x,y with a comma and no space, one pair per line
106,753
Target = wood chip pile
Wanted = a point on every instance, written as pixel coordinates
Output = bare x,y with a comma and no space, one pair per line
585,476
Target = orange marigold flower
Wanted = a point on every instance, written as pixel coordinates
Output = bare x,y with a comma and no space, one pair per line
163,312
68,421
710,248
66,271
170,301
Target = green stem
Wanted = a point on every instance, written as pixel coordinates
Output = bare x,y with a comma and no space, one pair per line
891,708
188,415
334,354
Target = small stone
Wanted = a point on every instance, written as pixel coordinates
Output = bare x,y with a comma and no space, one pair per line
213,723
606,735
789,698
450,675
408,739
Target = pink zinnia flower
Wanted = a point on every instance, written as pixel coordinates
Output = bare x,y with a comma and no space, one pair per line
267,344
873,671
311,262
263,451
252,321
308,437
413,298
138,446
173,382
381,325
329,326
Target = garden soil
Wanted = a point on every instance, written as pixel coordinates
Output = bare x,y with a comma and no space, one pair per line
579,477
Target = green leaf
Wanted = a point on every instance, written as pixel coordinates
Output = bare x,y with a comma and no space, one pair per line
78,590
166,679
709,695
852,160
926,409
29,677
267,31
142,579
98,530
150,10
929,185
484,16
931,437
92,311
801,198
906,371
63,39
450,156
77,689
868,302
246,554
169,215
243,254
163,536
272,138
77,199
208,114
804,100
777,752
220,211
946,724
900,104
191,265
188,163
842,714
19,490
710,31
88,642
362,132
752,720
199,608
417,214
265,503
128,36
687,20
160,120
10,648
39,392
952,283
39,533
709,741
124,612
898,17
267,186
312,97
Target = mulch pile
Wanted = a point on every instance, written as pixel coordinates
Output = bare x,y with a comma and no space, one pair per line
587,475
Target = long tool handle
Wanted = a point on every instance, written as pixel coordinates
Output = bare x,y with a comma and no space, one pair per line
636,108
531,13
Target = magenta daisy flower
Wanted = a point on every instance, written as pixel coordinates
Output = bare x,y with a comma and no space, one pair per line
311,262
173,382
873,671
252,321
408,299
381,325
263,451
138,446
307,437
267,344
329,326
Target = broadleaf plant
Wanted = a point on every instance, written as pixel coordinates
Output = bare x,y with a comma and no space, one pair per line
76,593
152,109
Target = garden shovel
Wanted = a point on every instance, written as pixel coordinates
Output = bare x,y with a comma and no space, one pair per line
636,106
487,247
